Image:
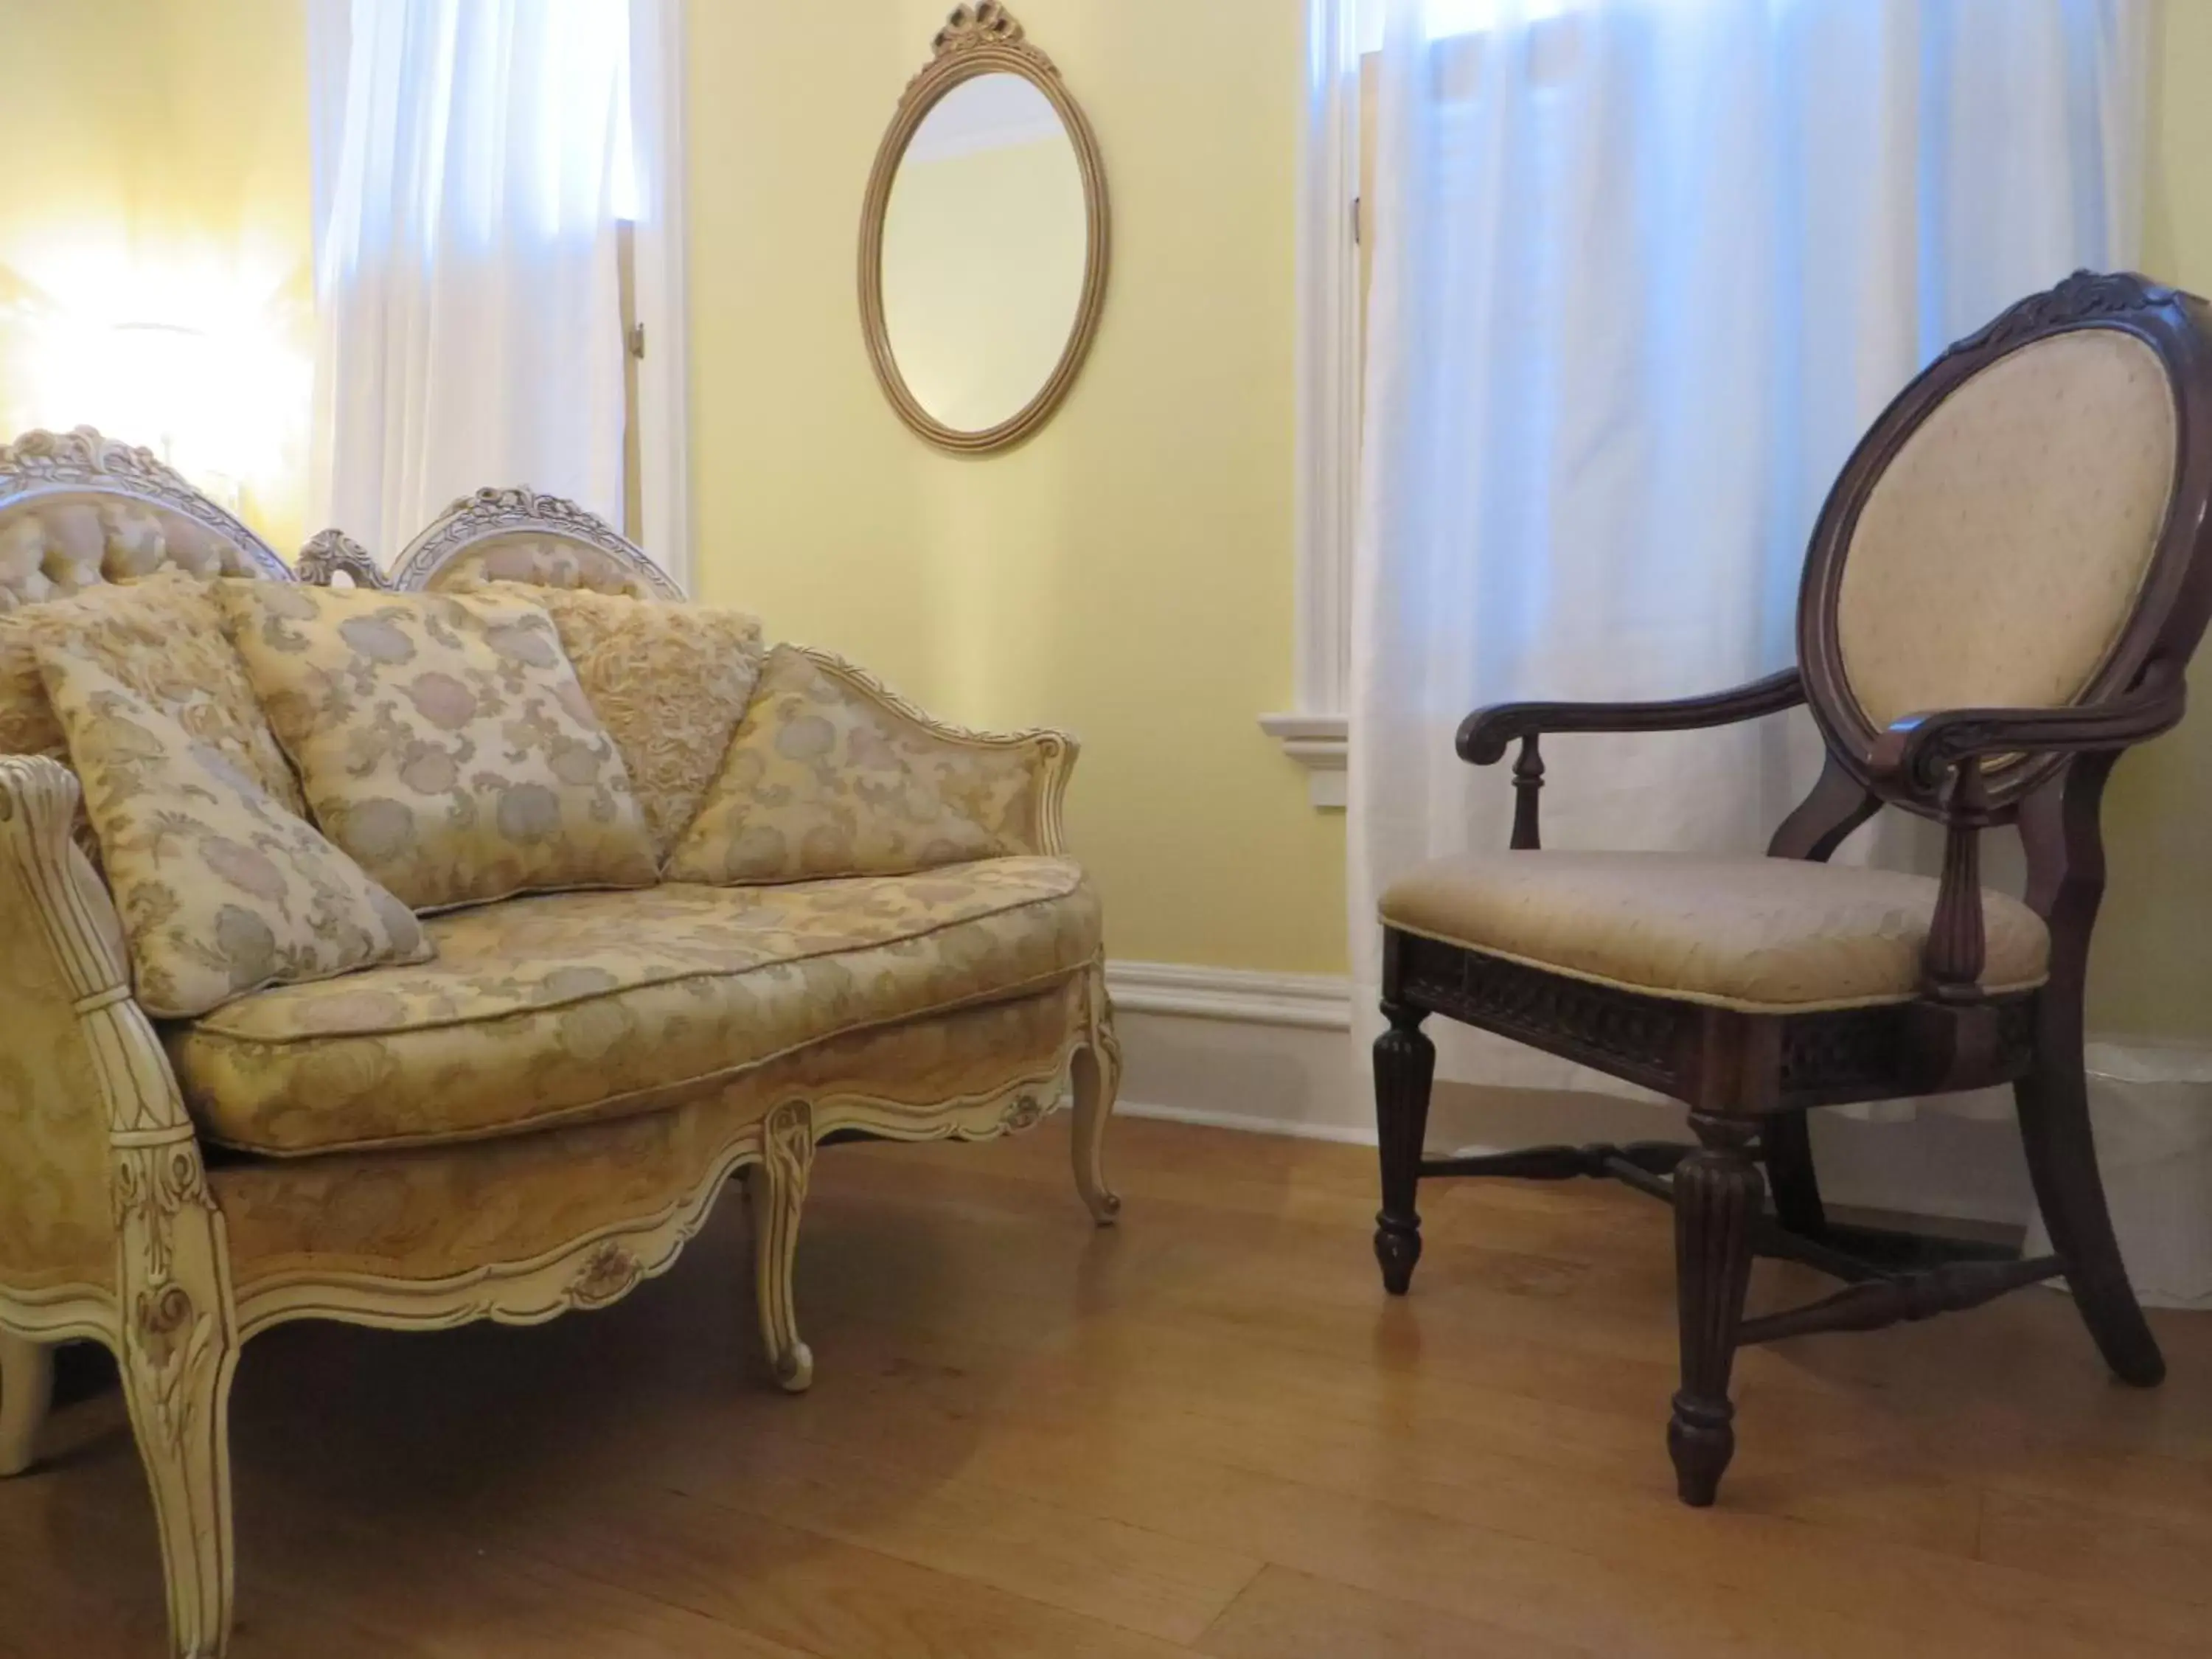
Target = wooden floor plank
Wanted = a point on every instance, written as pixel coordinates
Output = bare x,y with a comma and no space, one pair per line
1293,1616
1205,1431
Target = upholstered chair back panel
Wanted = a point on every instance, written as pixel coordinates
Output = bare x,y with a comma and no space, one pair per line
2000,554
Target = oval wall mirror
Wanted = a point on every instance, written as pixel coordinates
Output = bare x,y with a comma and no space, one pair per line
983,239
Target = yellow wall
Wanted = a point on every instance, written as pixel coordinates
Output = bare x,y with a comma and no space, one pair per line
2152,972
161,175
66,215
1126,573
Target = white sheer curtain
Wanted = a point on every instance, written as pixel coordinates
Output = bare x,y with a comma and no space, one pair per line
473,158
1644,269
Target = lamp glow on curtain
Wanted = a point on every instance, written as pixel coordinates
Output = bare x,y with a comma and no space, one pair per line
1644,270
472,160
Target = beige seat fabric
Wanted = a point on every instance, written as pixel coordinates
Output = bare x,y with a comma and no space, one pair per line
1763,935
563,1007
1999,556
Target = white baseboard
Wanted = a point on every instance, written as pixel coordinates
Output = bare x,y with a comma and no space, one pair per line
1316,1001
1344,1134
1271,1053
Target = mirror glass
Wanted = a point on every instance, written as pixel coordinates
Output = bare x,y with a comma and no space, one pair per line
984,243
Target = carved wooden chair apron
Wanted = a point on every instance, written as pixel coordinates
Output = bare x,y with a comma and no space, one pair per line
2001,594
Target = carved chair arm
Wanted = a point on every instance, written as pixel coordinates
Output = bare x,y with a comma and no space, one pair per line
1020,777
1942,753
1920,750
1483,734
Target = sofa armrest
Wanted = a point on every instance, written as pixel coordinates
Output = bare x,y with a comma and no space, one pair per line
55,1230
67,922
1019,777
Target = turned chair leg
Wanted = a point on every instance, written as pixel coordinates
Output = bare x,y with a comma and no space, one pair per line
1787,1139
776,1192
177,1369
1097,1077
27,1391
1405,1066
1718,1193
2062,1162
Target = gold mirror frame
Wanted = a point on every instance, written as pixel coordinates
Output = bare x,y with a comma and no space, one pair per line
981,38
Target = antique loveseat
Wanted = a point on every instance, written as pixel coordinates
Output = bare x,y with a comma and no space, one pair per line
532,1103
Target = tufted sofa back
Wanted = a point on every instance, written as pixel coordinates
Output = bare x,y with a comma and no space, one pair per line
77,509
521,535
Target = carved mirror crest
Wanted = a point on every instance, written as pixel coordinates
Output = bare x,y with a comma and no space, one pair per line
983,239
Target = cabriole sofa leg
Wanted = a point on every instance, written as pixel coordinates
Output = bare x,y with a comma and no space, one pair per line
1097,1072
176,1350
176,1379
776,1192
27,1389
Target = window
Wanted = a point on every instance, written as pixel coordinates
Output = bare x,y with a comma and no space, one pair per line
498,193
1344,40
1331,281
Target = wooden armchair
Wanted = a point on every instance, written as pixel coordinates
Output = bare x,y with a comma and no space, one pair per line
2000,595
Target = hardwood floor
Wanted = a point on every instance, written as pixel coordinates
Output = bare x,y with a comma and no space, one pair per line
1207,1432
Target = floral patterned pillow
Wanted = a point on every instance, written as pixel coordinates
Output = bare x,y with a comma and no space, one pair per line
163,637
27,718
827,777
443,740
222,890
670,683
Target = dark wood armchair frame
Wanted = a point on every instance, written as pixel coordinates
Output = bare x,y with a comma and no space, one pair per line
1749,1079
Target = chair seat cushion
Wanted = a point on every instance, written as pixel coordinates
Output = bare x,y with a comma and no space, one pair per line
1759,934
559,1007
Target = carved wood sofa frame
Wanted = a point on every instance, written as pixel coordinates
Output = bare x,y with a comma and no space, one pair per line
164,1303
1749,1079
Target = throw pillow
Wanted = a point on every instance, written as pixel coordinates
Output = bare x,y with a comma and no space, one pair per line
443,740
222,890
670,683
827,777
27,718
163,637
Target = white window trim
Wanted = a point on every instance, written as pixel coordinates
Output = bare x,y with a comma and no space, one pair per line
663,392
1314,733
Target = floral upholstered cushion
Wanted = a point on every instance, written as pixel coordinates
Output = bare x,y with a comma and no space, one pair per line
443,740
222,890
828,776
669,682
435,1212
591,1004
